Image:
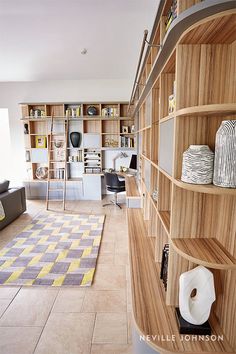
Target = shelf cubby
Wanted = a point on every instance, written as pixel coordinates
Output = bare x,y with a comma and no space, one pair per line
164,200
87,105
148,66
156,41
166,145
167,86
200,73
111,127
153,220
110,110
110,141
92,126
183,5
154,183
56,110
197,130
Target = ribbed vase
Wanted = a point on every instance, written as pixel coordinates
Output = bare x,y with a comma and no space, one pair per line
198,162
225,155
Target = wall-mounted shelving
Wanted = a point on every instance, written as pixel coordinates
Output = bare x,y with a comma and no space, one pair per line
194,65
109,128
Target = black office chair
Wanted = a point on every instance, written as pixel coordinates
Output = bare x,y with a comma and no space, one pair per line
113,184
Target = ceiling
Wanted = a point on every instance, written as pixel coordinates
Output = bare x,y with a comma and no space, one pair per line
43,40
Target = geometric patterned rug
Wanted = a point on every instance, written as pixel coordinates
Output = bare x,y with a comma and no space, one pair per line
54,250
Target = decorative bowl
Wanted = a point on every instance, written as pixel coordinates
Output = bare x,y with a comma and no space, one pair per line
92,111
41,172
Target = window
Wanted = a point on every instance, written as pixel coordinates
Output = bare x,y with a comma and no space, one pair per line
5,145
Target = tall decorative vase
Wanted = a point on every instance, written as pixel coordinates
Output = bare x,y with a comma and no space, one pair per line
75,138
197,166
225,155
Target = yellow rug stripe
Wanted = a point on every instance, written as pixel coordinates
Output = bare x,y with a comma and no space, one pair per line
88,277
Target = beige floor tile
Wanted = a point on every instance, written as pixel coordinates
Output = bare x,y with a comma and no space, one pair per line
107,247
8,292
30,307
69,300
67,333
121,259
19,340
104,301
111,349
109,277
110,328
121,245
3,305
106,258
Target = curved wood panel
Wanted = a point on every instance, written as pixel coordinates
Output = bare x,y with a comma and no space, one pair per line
185,22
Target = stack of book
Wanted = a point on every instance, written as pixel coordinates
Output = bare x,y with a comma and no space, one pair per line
172,14
110,112
164,265
126,142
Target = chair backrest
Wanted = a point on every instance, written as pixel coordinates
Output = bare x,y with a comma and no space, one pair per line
112,180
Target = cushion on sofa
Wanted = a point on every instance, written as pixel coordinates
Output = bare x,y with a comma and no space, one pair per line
4,186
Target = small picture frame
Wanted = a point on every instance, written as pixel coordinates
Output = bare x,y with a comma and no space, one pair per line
125,129
132,128
41,141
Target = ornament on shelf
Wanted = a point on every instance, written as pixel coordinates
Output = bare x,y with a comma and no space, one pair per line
225,155
198,162
196,309
75,138
91,111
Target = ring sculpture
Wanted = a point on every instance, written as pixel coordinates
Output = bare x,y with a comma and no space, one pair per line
196,309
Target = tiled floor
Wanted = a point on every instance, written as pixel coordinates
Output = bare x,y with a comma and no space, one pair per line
94,320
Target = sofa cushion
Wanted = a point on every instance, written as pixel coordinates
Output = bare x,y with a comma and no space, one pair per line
4,186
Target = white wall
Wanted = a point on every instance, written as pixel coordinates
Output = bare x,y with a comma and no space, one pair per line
13,93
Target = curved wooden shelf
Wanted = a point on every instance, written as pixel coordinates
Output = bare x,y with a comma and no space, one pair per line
210,109
151,314
205,251
207,188
186,20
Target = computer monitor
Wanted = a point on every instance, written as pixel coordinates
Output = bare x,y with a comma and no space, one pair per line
133,162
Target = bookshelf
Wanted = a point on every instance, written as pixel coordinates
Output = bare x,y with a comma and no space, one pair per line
108,128
195,64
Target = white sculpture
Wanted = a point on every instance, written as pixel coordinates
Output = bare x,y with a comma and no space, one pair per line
196,309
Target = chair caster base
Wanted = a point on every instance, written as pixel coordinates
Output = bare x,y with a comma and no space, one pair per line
112,203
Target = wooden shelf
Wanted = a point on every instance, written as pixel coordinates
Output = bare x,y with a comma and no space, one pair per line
207,188
170,116
45,118
151,315
165,219
211,109
205,251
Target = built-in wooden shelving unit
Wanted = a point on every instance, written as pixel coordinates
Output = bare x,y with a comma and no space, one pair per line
195,63
109,128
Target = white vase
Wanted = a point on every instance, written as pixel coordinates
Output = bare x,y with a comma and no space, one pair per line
198,162
225,155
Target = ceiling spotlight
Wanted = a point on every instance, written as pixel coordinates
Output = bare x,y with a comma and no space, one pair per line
84,51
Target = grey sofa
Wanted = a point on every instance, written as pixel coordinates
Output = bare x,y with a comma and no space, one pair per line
14,204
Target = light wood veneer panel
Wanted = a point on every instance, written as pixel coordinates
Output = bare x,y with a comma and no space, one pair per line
151,315
217,30
205,251
131,187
